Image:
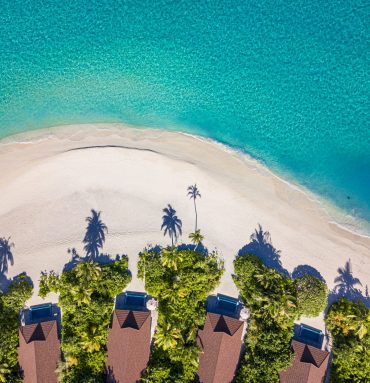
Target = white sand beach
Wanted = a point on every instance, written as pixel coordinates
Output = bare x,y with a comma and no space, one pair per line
50,179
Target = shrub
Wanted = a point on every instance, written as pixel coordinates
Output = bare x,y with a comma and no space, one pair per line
181,281
272,300
312,295
86,297
349,325
10,305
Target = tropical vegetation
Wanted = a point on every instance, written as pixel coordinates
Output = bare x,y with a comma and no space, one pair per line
86,297
181,280
349,325
11,303
275,304
312,295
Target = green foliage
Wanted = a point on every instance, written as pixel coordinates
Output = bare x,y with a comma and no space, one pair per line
271,297
275,302
312,295
86,296
181,280
10,305
349,325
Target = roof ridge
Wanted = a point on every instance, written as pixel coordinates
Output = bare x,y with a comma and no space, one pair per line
218,354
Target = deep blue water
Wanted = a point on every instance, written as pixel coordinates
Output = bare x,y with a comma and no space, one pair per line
285,81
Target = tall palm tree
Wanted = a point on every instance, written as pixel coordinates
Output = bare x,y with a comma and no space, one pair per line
6,254
171,223
346,282
95,234
193,193
196,238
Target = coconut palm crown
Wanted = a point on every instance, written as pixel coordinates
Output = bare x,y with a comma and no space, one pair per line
196,238
95,235
171,224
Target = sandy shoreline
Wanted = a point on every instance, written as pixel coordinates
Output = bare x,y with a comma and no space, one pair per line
51,179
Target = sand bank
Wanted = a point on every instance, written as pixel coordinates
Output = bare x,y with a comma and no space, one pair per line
50,180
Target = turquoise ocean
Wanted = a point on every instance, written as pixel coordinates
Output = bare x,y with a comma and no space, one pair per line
284,81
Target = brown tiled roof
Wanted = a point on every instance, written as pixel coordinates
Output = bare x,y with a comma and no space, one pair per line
131,318
220,341
37,331
128,346
39,352
309,365
223,323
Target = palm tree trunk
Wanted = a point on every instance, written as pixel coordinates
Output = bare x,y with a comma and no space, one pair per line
172,239
196,215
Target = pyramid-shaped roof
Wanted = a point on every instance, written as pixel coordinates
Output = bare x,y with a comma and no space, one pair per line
220,340
37,331
131,318
309,364
224,323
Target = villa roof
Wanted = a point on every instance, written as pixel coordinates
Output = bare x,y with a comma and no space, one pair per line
131,318
220,341
128,345
39,352
309,364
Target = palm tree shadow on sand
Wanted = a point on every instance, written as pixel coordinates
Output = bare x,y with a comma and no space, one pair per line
261,246
347,286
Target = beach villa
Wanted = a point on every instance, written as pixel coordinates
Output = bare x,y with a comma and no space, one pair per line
309,365
39,344
129,338
220,340
131,331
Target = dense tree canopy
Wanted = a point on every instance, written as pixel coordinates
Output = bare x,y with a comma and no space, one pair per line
10,305
275,302
86,296
181,280
312,295
349,325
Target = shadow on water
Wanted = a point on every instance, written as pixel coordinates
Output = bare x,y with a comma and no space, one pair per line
347,286
261,246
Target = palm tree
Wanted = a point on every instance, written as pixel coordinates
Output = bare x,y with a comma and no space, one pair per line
196,238
170,257
193,193
346,282
171,223
91,341
167,337
88,271
4,371
95,234
6,254
81,295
